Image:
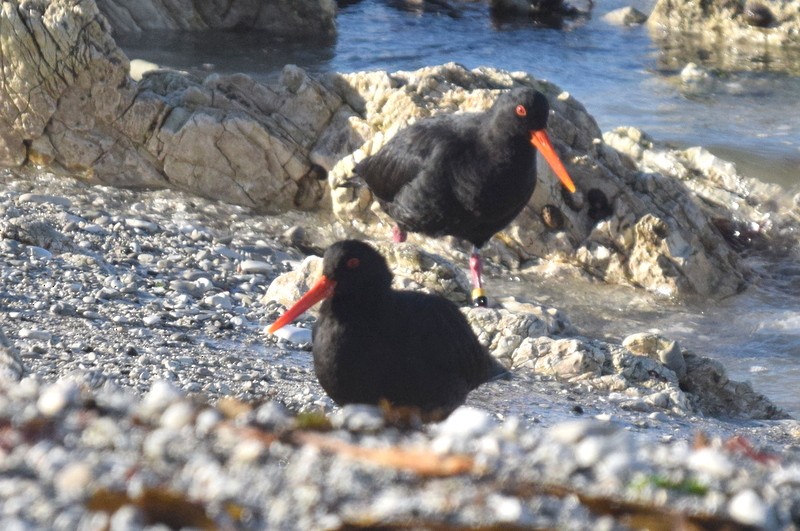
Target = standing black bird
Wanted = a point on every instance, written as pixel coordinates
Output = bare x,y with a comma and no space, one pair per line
465,175
372,343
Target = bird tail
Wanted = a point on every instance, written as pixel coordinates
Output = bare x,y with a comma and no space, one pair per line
497,371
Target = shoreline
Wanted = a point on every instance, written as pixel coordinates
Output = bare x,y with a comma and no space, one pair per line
162,309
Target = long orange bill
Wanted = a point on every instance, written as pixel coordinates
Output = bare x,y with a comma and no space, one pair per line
541,141
322,289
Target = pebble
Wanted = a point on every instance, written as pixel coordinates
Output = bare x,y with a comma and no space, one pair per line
105,400
142,224
466,423
56,397
358,417
294,334
43,198
748,508
255,266
177,415
711,461
34,334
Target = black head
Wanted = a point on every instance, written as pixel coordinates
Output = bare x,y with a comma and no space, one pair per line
354,277
523,109
355,266
520,116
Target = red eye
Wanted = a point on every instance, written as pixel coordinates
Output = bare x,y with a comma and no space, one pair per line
353,263
521,110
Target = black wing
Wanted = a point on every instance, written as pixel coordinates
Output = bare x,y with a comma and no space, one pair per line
405,156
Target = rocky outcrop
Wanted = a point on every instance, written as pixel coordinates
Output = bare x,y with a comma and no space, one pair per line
292,19
549,12
625,224
729,34
68,101
653,218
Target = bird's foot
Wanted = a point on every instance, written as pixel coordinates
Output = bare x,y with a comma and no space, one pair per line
479,298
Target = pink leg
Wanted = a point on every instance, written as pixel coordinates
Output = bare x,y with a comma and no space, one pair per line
398,234
475,268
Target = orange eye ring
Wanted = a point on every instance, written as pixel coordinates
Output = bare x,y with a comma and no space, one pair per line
521,111
353,263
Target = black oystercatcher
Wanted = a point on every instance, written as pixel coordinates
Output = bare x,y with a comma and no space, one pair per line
374,344
465,175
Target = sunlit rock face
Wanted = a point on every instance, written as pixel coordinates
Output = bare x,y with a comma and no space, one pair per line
292,19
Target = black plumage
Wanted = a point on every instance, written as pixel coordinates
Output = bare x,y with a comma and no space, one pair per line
373,343
466,175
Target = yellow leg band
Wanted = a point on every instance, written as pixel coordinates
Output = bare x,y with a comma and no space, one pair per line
478,292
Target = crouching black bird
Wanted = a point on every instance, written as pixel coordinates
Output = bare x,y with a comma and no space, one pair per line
465,175
373,344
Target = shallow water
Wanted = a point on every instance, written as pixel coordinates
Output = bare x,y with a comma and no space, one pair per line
752,119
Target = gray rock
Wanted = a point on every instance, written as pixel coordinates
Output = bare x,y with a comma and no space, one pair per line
625,16
659,348
732,35
292,19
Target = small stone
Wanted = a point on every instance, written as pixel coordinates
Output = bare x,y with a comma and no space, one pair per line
272,415
177,415
161,395
625,16
56,397
507,509
748,508
358,418
72,480
255,266
34,334
219,300
294,334
45,199
152,319
39,252
573,431
711,461
466,423
141,224
206,421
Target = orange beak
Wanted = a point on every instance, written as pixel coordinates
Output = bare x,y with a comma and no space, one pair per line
541,141
322,289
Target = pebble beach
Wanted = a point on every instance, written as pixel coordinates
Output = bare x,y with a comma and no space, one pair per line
140,390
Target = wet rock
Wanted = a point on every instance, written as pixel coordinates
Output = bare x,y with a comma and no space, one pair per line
546,11
696,79
599,207
566,358
625,16
729,34
711,391
292,19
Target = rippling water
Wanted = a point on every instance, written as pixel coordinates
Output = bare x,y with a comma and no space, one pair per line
752,119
